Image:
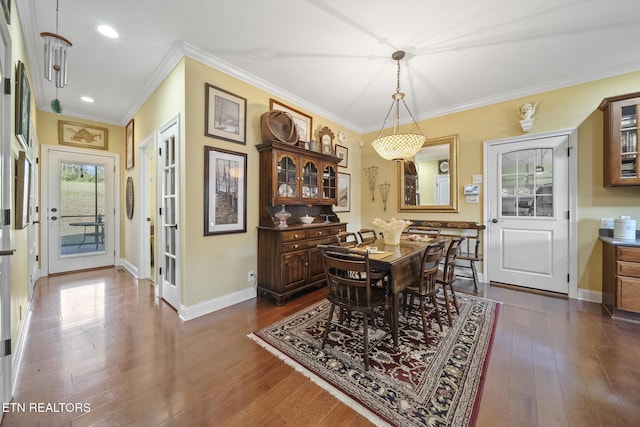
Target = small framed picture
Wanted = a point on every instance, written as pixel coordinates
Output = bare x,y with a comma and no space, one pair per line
23,105
82,135
302,121
344,193
225,115
225,191
128,144
343,153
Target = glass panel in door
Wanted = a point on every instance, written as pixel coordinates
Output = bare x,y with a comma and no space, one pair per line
309,180
82,208
526,178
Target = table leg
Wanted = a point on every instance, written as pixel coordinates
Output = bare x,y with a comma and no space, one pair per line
395,318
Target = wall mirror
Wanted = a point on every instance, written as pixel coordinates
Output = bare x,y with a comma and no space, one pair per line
428,182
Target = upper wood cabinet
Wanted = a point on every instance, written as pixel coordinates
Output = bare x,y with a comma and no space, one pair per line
621,139
291,176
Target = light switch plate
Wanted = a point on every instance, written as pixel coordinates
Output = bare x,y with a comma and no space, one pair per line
473,199
476,179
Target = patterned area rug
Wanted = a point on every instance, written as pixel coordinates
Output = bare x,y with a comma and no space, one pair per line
415,385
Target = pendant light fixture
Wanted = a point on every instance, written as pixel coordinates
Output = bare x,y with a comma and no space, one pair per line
56,60
398,146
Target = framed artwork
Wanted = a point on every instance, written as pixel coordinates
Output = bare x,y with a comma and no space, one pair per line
344,193
6,9
128,144
302,121
23,105
325,135
225,191
23,190
225,115
343,153
81,135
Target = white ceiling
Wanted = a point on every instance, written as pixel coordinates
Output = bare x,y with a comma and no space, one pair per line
333,57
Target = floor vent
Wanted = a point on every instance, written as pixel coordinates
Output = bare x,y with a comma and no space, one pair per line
120,270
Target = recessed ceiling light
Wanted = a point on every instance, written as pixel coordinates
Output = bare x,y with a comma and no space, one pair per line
87,99
107,31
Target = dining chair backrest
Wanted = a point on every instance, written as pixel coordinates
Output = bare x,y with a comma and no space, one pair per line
367,235
449,268
346,272
348,239
434,233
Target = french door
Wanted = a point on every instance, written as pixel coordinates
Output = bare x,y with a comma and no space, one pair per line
169,238
81,210
6,180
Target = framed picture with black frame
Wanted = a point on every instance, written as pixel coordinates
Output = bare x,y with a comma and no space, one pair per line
225,191
23,191
23,105
343,204
225,115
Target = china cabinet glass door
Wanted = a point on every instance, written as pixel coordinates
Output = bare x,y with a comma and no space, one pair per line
310,180
287,174
329,183
629,142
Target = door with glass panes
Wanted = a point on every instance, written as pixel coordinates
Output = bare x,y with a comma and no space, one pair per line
529,213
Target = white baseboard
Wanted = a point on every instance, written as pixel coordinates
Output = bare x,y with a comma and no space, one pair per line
16,357
206,307
130,267
588,295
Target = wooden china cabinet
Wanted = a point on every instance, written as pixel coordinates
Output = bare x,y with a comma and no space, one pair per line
621,139
304,183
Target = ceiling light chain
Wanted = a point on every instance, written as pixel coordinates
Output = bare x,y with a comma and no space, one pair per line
398,146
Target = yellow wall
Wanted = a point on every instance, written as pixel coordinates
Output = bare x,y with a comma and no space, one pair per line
215,266
167,101
572,107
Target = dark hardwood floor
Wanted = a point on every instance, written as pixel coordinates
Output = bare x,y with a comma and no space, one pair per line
100,338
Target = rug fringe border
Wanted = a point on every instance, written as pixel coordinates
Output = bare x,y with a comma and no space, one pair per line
359,408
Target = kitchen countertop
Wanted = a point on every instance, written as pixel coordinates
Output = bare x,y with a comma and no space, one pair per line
606,235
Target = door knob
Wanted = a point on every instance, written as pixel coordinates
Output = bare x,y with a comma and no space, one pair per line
495,220
53,218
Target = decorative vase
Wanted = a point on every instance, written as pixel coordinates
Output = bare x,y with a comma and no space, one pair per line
283,216
391,230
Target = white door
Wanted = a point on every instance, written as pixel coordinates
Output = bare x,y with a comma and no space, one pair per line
169,271
528,185
442,190
5,227
81,213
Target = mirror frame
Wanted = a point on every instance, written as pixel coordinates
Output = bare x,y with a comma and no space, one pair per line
452,140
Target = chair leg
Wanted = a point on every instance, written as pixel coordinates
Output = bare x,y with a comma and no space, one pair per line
474,272
423,312
365,325
455,300
435,306
328,325
447,304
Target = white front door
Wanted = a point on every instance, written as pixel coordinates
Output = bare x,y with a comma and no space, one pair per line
169,238
528,229
81,214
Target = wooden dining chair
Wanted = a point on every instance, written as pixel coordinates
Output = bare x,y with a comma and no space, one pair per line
349,280
425,287
447,276
434,233
348,239
367,236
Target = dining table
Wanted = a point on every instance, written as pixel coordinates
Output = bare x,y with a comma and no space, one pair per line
403,264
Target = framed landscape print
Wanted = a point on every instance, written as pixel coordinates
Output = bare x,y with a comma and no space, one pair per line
225,191
225,115
302,121
23,190
343,153
128,144
81,135
23,105
344,193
